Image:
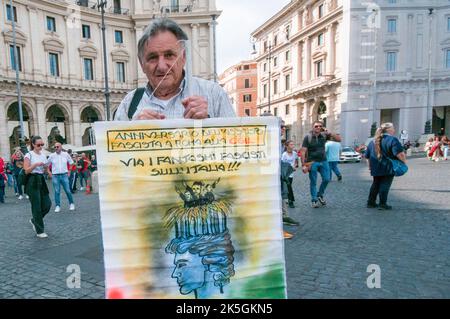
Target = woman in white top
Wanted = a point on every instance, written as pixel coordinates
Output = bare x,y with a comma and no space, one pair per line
291,157
35,164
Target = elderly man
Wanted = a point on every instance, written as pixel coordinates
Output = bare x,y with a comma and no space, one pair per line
169,94
60,162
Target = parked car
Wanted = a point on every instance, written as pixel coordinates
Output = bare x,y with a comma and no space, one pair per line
348,154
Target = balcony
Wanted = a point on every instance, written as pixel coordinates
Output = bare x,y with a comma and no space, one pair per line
176,9
119,11
93,5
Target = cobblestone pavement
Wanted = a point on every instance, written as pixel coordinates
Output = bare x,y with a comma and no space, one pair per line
327,258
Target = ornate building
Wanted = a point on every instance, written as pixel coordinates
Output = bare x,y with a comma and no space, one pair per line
240,82
300,65
60,59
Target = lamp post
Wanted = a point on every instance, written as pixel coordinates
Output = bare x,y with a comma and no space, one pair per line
102,4
429,119
19,93
375,60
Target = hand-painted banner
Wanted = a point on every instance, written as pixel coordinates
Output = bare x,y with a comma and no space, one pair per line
191,209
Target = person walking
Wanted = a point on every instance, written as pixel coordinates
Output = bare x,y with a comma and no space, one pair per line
333,151
60,161
17,162
384,145
290,157
3,180
73,174
314,161
445,145
35,163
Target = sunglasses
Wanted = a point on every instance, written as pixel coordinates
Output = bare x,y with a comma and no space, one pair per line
40,144
317,126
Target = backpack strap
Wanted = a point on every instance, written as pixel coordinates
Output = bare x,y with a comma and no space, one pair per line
135,102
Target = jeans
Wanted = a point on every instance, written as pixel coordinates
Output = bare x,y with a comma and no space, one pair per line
290,191
324,169
334,168
10,180
2,193
380,186
17,185
57,181
83,176
445,152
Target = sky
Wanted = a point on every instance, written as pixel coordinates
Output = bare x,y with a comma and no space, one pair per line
238,20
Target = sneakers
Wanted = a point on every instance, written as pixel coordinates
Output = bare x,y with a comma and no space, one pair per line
72,207
20,197
322,201
42,235
287,235
340,178
289,221
315,204
57,209
384,207
32,225
370,205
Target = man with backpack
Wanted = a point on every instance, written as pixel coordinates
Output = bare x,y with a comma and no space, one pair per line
170,93
314,161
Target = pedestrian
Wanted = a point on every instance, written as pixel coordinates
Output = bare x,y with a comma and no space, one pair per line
60,162
384,146
17,162
83,170
445,145
169,93
9,170
74,174
436,152
93,166
35,163
314,161
285,171
333,151
290,157
3,180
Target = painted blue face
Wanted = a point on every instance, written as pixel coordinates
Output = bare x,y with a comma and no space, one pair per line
189,272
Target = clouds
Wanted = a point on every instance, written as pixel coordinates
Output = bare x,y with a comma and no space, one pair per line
238,20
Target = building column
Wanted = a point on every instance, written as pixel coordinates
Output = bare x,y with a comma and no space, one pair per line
4,142
41,120
410,38
77,141
211,50
300,62
331,57
308,59
194,53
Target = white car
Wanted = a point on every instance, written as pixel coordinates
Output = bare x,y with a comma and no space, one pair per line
348,154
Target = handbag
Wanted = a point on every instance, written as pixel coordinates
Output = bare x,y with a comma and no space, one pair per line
398,168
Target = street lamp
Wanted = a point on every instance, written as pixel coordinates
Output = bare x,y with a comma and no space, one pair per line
22,145
102,4
375,60
429,119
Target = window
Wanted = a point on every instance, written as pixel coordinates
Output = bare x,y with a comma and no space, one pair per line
275,87
12,55
287,109
54,64
120,69
288,32
392,1
275,61
88,69
321,11
287,81
51,24
392,25
86,30
265,46
275,111
391,64
319,68
447,59
448,24
118,35
247,112
320,39
10,14
275,41
246,67
247,98
288,56
265,90
247,83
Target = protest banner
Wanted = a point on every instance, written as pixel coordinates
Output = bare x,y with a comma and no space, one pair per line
191,209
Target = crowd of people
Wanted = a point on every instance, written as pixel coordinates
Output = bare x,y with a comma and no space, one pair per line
436,148
28,173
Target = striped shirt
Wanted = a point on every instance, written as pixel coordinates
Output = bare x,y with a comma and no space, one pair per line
218,102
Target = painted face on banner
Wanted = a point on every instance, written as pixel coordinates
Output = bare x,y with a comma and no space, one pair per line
189,272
